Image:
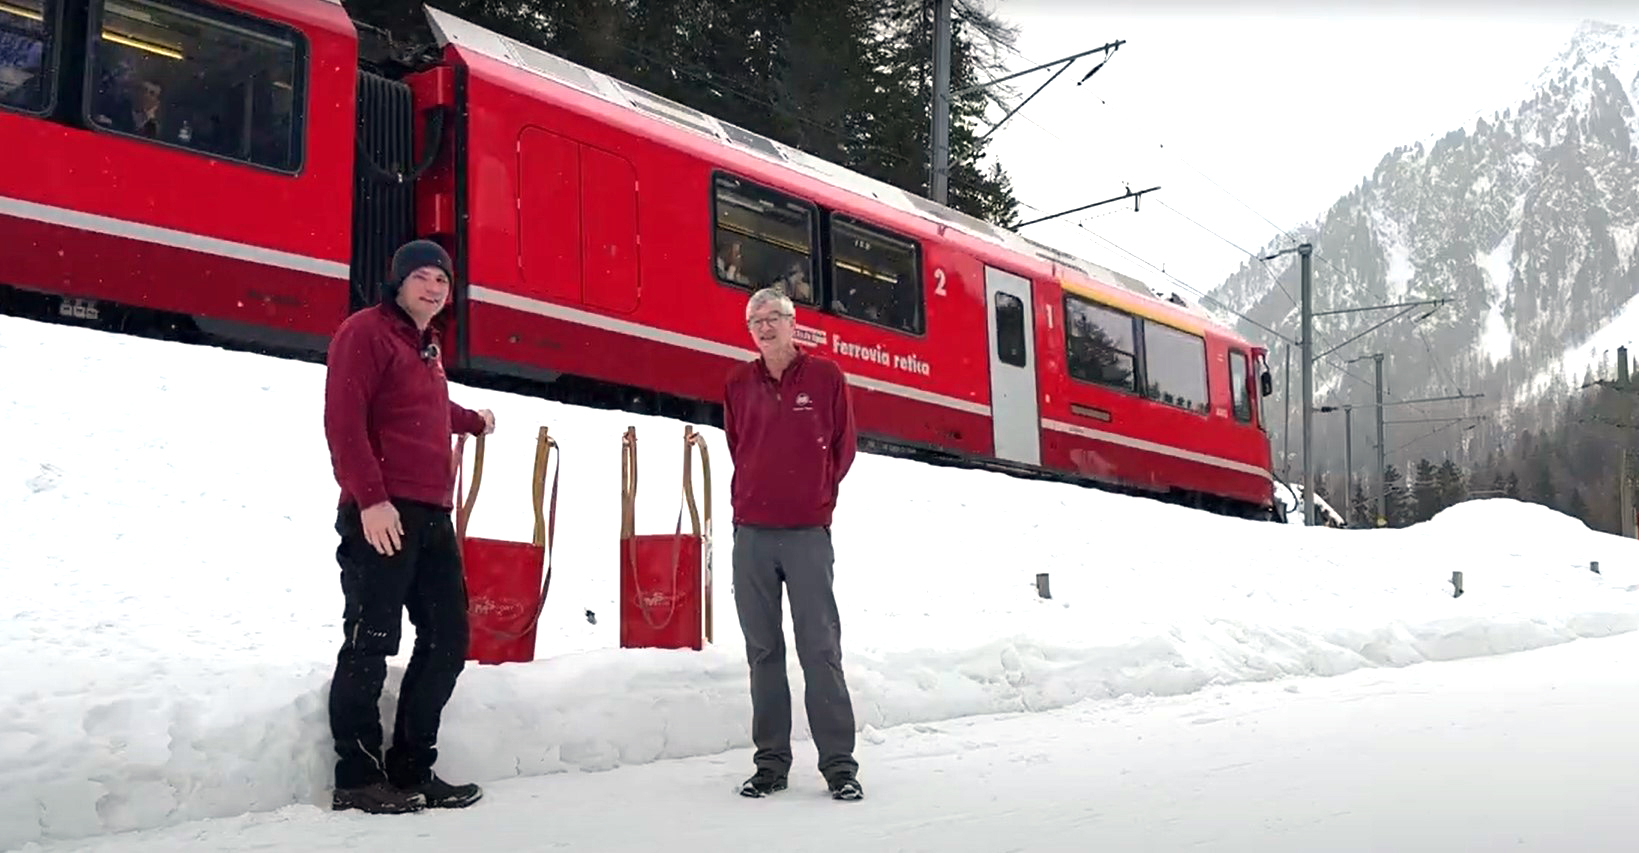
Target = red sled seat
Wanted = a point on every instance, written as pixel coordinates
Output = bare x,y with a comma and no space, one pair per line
506,582
665,579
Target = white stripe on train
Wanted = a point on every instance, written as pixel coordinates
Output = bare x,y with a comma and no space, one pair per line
168,237
624,327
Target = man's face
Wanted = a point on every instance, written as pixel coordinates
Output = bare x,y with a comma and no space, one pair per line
424,293
147,95
771,329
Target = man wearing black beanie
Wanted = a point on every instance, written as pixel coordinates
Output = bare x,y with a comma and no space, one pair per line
388,420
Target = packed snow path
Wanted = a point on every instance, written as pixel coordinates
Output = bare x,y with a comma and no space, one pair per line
1525,752
170,615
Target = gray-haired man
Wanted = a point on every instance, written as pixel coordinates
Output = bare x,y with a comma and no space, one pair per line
790,429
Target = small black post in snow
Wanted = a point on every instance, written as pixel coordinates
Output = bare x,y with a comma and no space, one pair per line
1594,567
1456,584
1041,585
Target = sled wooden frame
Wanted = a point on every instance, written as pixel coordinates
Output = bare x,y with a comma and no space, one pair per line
545,527
628,521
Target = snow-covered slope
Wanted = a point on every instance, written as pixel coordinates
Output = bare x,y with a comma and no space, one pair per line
1524,219
171,610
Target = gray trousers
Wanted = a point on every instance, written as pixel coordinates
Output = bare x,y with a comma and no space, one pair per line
802,559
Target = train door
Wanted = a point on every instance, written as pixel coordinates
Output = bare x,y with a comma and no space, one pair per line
1015,422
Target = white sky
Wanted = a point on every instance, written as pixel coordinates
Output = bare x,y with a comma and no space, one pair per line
1287,105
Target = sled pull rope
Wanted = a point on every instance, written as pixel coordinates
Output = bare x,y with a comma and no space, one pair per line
628,483
692,438
544,445
463,509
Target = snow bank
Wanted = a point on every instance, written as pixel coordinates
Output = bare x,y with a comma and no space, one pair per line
172,609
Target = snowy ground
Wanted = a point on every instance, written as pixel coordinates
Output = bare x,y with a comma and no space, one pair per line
1528,752
172,612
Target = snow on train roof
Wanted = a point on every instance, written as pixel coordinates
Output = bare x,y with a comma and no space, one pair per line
450,29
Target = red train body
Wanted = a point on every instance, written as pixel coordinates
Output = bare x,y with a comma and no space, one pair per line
234,172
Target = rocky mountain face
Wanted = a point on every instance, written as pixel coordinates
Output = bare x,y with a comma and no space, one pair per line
1526,224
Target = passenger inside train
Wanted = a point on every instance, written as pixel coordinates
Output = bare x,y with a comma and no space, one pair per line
24,43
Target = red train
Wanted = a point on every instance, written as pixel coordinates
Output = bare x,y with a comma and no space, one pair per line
238,172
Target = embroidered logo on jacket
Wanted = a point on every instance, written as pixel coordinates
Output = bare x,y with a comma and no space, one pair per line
803,403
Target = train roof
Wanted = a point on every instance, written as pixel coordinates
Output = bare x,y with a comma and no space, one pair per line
450,30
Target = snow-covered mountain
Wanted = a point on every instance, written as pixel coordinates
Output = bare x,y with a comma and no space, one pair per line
1525,221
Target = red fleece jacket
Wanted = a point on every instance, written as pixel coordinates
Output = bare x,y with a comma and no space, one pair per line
791,441
387,413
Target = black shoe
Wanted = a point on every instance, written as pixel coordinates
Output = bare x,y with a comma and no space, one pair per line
442,795
763,783
377,798
845,788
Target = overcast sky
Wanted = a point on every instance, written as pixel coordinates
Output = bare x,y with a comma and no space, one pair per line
1286,105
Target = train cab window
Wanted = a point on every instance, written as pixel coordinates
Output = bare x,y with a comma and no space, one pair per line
27,36
1010,329
763,238
1240,394
1100,344
203,79
1175,368
875,276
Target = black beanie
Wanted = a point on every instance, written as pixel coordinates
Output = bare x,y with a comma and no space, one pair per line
410,257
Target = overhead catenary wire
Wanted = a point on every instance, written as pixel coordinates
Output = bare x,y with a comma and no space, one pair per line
1269,270
719,85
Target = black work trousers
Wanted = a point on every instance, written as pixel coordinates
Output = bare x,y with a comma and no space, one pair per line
424,577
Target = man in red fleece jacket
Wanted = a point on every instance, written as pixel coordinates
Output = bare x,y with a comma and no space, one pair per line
388,420
790,429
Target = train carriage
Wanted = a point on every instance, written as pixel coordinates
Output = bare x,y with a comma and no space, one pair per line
238,171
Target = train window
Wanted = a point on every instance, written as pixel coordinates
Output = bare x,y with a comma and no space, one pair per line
1175,367
875,276
1010,329
199,78
1099,343
1240,396
27,32
763,238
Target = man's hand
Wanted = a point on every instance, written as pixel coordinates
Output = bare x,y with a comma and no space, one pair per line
489,420
383,529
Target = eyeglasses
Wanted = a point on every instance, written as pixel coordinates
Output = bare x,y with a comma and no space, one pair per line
768,320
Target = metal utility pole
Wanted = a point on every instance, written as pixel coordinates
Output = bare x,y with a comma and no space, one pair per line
1625,487
1286,432
1382,464
939,139
1306,343
1377,481
1348,456
1304,251
1624,483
